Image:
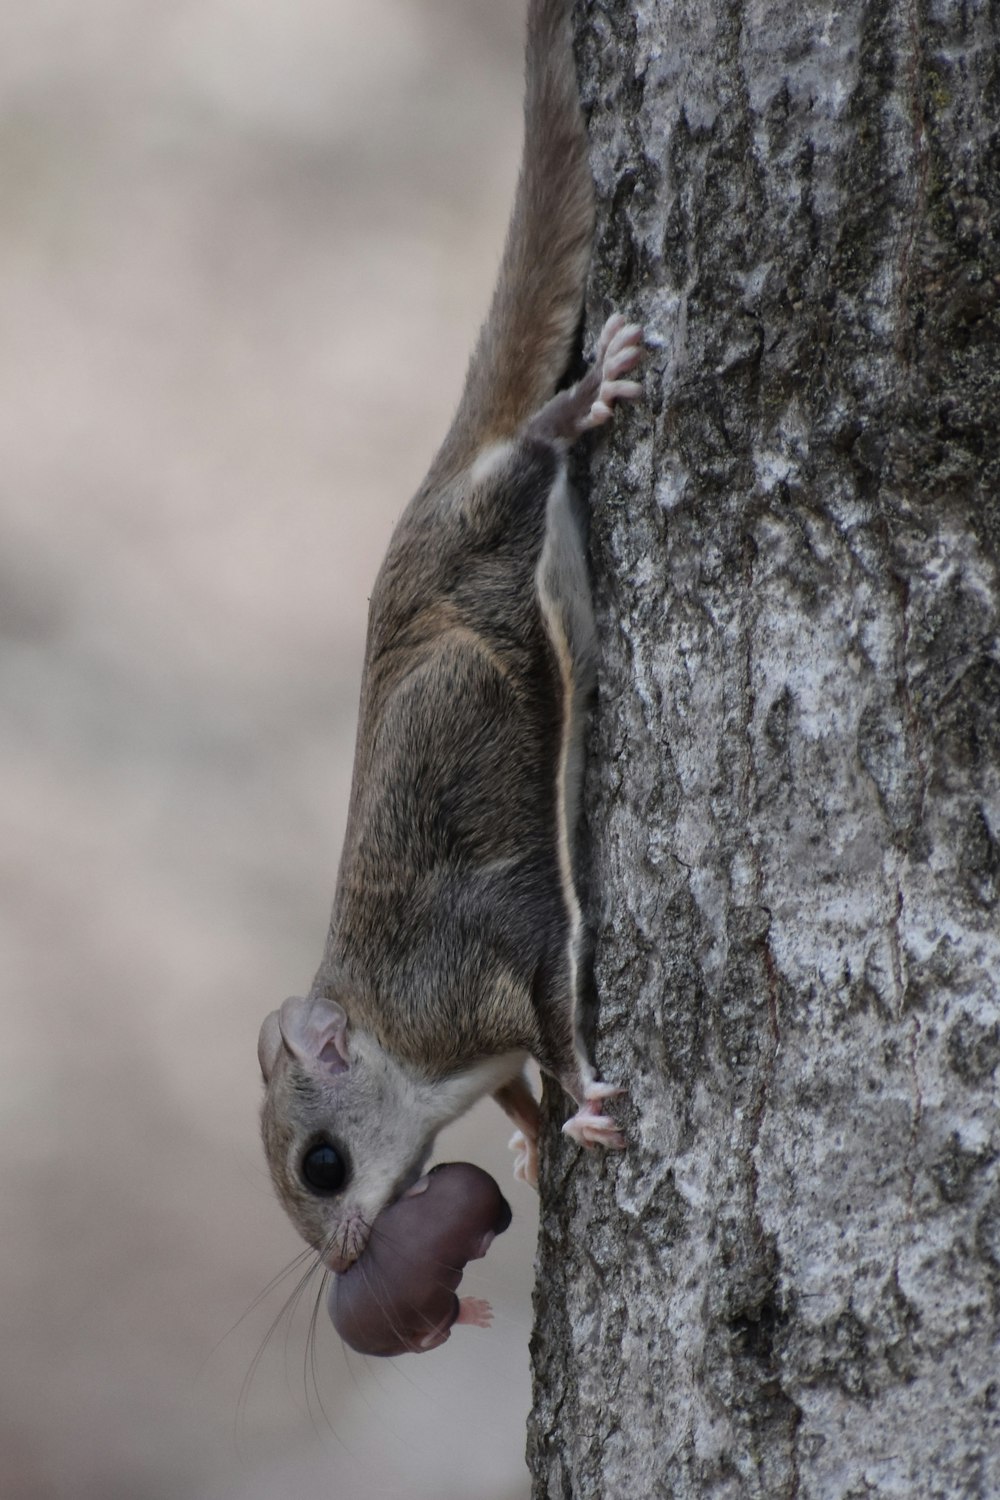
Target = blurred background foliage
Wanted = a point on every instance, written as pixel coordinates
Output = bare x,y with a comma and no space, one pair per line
244,250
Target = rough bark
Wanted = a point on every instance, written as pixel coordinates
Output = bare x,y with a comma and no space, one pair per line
790,1284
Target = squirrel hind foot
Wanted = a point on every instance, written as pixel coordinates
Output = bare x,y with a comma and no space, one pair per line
591,402
619,350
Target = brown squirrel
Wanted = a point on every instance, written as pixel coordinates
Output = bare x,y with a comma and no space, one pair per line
455,940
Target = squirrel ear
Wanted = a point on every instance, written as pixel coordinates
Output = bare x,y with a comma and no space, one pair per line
315,1032
269,1045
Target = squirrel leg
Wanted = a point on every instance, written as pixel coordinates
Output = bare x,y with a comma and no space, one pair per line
520,1105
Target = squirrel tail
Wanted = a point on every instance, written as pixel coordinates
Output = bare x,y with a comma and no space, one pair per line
527,339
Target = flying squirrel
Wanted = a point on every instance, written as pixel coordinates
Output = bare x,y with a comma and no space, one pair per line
456,937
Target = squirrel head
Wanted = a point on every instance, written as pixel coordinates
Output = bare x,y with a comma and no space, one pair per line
346,1128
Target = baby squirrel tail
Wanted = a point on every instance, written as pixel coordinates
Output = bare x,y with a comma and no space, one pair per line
527,339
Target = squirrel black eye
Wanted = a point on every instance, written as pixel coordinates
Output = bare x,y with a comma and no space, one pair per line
324,1169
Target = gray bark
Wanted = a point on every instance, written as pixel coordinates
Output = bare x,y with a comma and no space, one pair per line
789,1285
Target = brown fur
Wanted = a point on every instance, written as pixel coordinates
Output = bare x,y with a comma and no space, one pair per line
527,338
452,946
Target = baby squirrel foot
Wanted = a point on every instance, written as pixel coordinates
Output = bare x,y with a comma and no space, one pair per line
589,1126
525,1158
474,1311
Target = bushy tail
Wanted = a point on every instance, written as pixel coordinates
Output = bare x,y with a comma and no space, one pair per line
527,339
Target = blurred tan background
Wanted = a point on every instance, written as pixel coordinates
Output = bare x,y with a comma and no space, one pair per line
244,250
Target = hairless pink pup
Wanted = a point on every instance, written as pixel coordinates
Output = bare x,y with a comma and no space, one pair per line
399,1295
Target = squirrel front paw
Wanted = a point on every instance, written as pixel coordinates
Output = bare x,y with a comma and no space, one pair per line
525,1158
590,1126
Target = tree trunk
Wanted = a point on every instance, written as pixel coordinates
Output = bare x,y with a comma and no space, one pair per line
789,1284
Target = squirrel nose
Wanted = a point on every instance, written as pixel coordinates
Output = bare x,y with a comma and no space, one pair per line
348,1244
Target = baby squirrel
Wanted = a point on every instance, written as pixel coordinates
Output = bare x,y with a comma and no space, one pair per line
399,1296
456,934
